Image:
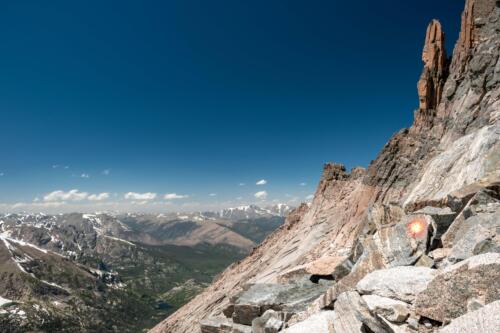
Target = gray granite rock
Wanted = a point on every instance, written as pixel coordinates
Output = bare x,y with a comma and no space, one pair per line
270,322
439,255
391,309
352,315
446,297
482,209
288,299
401,283
321,322
398,246
273,325
425,261
484,320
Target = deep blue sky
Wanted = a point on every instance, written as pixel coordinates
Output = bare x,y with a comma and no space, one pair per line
195,97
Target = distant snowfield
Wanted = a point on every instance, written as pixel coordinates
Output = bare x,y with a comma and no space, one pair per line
4,301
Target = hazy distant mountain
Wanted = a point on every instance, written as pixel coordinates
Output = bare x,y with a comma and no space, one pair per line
90,272
253,211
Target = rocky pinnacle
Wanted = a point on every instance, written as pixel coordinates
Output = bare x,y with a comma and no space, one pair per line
430,85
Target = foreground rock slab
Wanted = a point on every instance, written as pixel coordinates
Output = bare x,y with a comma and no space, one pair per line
321,322
484,320
457,287
401,283
288,299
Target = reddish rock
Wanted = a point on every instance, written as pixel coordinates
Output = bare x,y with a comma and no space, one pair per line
472,18
430,86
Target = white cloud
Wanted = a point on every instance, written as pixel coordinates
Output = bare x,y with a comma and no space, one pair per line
303,184
140,196
310,197
1,174
172,196
261,195
84,175
98,197
38,205
241,184
261,182
212,195
73,195
106,172
55,166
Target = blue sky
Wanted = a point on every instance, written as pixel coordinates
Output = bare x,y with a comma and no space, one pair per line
198,97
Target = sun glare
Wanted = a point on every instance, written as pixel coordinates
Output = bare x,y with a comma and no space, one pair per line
417,227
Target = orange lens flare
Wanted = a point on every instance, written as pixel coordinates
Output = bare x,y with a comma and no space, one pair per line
417,228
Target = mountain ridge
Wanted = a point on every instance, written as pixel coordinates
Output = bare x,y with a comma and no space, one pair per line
82,272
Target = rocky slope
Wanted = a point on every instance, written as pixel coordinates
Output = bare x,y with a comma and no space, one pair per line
86,272
408,245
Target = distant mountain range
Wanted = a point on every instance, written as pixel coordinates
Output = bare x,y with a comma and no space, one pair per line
253,211
107,272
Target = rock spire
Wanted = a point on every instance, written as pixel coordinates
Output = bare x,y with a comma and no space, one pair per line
430,85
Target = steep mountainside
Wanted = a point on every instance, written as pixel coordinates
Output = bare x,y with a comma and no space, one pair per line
107,273
410,244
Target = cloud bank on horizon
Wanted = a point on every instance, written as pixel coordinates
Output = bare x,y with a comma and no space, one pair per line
75,200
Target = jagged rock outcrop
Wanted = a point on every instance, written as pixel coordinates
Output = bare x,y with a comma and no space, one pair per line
431,83
432,171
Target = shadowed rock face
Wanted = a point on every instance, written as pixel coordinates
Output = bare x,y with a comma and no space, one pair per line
434,168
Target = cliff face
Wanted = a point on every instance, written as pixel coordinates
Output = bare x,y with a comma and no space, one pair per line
433,177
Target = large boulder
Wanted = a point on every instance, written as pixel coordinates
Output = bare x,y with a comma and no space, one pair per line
321,322
352,315
288,299
484,320
398,245
458,287
474,231
401,283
